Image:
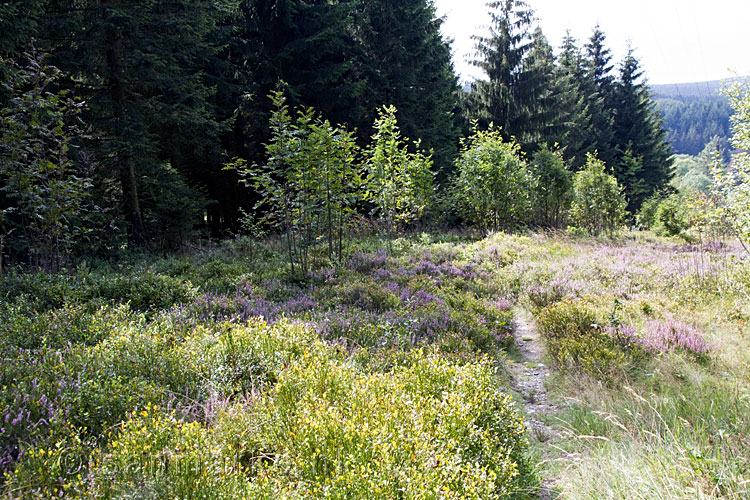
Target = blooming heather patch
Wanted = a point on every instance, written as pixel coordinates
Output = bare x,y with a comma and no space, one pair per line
363,262
672,335
241,307
662,337
501,304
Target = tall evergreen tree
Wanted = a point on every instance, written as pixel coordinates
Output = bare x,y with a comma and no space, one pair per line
598,88
545,113
576,101
141,67
407,63
504,99
644,155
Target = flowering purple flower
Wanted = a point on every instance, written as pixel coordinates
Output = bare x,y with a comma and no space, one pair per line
502,304
671,335
423,298
661,337
366,262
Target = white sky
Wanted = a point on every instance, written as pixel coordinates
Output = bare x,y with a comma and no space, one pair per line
677,41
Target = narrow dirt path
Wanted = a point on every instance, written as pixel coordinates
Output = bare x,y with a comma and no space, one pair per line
528,379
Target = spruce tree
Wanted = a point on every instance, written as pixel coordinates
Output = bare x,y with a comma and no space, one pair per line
406,63
598,88
644,156
141,67
545,113
503,98
575,101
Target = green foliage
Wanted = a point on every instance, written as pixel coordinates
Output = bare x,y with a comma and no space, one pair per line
552,196
172,209
578,104
399,183
374,385
42,210
423,427
694,172
26,328
160,456
646,216
734,186
598,202
690,173
671,216
494,186
144,291
167,404
576,340
310,185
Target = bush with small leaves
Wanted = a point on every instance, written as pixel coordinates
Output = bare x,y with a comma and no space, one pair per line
552,193
576,339
598,201
493,188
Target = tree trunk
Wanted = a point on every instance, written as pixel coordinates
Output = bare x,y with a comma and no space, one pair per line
127,168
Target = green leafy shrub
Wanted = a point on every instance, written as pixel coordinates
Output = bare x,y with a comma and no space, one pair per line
44,191
734,185
42,291
399,182
552,193
145,291
368,295
54,467
494,186
310,185
23,327
242,359
646,216
575,339
158,456
215,275
598,202
671,218
426,428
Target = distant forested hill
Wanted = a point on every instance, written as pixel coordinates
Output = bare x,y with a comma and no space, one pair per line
694,113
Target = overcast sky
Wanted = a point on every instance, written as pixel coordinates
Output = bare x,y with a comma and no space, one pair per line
677,41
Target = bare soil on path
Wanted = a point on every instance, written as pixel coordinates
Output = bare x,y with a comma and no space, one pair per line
528,379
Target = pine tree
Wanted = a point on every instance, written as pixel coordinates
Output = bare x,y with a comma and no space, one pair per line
644,155
140,65
598,88
502,99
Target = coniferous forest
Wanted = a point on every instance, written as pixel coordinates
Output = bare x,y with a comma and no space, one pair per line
274,249
694,114
154,99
